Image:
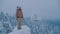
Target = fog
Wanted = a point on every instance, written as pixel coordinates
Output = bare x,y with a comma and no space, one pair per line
47,9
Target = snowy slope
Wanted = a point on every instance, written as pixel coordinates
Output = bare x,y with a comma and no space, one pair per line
25,30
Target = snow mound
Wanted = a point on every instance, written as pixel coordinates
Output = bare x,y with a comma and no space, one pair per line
25,30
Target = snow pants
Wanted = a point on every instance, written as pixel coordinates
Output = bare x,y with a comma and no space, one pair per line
19,24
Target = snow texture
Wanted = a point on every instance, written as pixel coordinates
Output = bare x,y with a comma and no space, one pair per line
25,30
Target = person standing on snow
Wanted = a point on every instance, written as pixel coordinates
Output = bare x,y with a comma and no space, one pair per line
19,17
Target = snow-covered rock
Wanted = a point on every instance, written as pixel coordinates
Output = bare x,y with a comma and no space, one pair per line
25,30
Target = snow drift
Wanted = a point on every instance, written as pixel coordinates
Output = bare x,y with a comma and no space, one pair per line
25,30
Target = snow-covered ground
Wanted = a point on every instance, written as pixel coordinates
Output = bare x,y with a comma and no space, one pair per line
25,30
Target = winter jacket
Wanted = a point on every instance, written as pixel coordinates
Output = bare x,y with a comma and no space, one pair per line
19,13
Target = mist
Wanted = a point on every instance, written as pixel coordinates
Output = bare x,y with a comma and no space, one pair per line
47,9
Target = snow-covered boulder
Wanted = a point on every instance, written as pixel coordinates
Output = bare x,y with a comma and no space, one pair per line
25,30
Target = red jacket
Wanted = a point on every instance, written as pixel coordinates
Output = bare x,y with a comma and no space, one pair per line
19,13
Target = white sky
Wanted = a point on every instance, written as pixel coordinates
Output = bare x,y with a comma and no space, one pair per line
48,9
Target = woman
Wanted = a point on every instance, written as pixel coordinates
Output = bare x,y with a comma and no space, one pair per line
19,17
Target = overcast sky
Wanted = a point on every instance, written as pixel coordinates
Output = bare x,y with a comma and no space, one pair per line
48,9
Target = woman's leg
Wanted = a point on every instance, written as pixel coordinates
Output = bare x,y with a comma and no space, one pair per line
19,23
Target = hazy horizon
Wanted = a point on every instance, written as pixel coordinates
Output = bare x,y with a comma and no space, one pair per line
48,9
